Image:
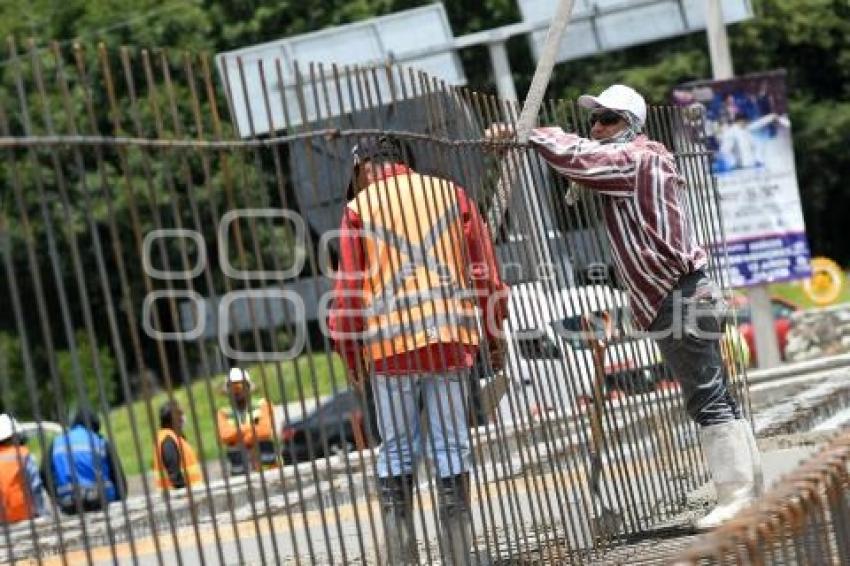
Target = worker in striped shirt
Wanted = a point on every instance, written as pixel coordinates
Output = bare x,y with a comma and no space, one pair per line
662,268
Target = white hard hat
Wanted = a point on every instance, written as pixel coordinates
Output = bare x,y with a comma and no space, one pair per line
8,427
617,97
239,375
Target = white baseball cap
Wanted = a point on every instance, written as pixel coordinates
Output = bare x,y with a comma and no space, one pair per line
239,375
8,427
617,97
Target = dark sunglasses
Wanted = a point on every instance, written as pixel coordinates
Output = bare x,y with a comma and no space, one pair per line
607,118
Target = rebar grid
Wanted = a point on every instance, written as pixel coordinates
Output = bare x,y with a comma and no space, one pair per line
129,207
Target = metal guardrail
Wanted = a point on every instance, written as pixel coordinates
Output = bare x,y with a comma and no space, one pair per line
838,361
129,207
803,519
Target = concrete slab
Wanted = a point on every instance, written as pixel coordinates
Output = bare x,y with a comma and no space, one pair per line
778,463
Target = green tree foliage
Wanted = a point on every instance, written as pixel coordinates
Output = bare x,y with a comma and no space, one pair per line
85,373
80,375
12,377
239,23
174,23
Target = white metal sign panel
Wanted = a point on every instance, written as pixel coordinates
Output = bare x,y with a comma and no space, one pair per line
257,110
598,26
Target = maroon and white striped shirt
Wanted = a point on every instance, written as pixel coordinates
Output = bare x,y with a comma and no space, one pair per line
646,216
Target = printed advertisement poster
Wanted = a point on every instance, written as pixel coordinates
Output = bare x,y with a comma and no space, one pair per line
746,127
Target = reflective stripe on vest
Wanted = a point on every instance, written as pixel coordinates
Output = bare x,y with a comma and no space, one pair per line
430,326
190,466
262,452
14,491
68,489
385,303
420,293
236,416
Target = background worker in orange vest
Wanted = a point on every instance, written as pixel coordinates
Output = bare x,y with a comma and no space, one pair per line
174,464
416,272
21,495
245,426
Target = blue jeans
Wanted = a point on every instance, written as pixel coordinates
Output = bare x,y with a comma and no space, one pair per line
397,402
687,330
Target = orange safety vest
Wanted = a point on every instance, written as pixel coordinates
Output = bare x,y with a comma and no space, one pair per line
415,290
256,424
14,491
191,468
251,430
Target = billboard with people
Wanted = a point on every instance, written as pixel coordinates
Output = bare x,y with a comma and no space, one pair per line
744,123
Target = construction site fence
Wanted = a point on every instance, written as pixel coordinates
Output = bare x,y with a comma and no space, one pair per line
158,229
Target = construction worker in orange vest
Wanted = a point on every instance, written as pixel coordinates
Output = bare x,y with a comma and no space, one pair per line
21,495
416,284
174,464
246,426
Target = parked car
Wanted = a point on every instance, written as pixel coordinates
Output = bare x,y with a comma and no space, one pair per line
330,428
549,364
782,311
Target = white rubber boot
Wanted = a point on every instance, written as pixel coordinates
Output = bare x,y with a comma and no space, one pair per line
727,452
755,456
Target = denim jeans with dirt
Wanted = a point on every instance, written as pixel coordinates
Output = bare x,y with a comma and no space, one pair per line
398,399
688,329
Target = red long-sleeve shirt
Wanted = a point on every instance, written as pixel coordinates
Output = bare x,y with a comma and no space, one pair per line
346,318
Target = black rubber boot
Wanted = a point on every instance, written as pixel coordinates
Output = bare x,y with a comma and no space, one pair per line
455,520
396,495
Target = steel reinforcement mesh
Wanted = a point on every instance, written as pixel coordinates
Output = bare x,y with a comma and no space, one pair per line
151,240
